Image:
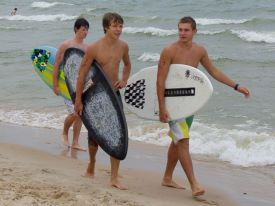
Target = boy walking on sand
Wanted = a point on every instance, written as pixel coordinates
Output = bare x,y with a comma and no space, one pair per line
185,51
81,28
108,52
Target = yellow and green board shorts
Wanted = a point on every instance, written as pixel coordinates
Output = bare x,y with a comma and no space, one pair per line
179,129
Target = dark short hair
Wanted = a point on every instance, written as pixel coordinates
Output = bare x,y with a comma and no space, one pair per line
81,22
190,20
108,18
15,9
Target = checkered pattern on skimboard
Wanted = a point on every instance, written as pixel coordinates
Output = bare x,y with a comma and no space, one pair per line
134,94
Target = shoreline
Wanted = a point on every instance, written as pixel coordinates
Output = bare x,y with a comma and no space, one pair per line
225,184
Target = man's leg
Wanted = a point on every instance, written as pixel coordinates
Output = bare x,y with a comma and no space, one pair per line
186,163
93,147
115,164
114,174
67,124
76,132
172,159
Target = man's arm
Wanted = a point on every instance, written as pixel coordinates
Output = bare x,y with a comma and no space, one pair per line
58,59
126,70
163,68
220,76
86,62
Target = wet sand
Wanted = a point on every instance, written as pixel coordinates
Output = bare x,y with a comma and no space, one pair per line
36,170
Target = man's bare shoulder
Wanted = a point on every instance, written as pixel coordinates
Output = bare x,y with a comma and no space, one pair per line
94,45
199,47
123,46
73,43
170,47
93,48
123,43
67,43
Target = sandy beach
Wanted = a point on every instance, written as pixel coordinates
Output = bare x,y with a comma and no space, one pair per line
36,170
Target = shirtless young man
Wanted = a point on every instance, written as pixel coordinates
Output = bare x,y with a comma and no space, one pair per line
185,51
108,52
81,28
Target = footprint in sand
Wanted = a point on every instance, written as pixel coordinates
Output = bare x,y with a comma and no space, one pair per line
59,195
47,171
208,202
6,171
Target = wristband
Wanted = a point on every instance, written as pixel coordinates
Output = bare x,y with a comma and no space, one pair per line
236,87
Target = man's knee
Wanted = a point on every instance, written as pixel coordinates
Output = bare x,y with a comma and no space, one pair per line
92,142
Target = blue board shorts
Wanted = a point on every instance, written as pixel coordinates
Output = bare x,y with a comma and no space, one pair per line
91,140
70,106
179,129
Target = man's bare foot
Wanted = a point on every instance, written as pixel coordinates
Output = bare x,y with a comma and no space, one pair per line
78,147
197,191
90,171
117,185
64,139
171,183
89,175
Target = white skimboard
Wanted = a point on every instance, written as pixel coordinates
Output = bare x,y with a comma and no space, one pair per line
187,90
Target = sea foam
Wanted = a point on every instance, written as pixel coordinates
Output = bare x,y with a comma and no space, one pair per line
43,4
237,146
149,30
242,146
206,21
249,36
149,57
255,36
53,17
34,119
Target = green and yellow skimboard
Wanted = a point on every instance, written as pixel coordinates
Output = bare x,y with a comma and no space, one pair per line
43,61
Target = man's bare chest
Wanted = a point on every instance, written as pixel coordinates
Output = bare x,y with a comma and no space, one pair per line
188,58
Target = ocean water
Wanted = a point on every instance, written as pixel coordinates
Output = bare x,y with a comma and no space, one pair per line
239,37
